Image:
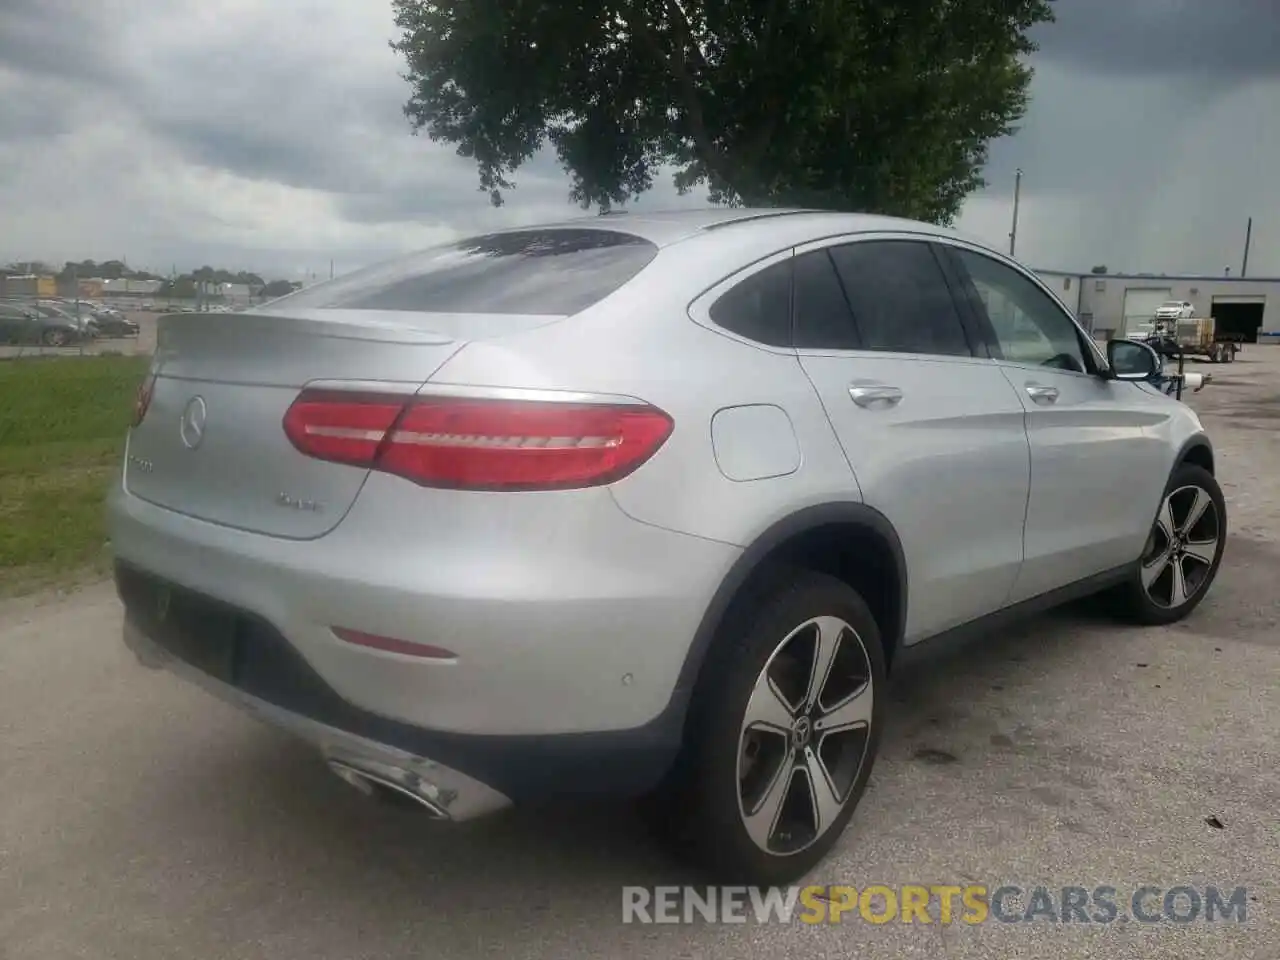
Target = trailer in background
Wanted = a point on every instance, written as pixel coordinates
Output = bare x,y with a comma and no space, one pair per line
1195,337
1200,336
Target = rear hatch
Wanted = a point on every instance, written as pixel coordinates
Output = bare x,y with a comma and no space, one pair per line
212,444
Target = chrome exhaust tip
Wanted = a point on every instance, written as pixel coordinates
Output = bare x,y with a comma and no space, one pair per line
392,783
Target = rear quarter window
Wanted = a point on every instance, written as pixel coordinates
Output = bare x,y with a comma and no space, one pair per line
759,307
528,272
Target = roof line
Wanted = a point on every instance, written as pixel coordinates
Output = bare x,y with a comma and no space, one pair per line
761,215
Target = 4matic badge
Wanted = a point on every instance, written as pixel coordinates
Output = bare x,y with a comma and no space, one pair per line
297,503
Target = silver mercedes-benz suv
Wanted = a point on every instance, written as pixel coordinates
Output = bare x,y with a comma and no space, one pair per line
642,506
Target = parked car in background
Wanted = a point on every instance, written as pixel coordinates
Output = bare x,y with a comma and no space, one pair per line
1175,310
83,306
643,505
107,321
84,319
24,324
53,310
17,323
114,324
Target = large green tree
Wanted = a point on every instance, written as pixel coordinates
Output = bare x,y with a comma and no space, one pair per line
877,105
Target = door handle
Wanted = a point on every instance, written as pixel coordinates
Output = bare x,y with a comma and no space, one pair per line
875,396
1042,394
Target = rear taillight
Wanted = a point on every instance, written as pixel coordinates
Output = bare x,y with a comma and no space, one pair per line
142,400
342,427
478,444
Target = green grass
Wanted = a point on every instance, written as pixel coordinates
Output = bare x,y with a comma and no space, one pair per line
62,427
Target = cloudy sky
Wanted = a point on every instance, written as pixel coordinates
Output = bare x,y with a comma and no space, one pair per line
268,135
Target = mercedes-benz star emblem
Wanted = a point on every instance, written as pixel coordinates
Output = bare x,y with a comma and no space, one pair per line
192,426
801,732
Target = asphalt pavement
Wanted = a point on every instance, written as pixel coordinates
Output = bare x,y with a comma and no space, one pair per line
139,818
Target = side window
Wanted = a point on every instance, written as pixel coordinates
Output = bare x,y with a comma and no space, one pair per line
900,298
758,308
823,318
1029,327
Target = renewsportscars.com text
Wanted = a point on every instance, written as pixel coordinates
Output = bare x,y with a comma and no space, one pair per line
942,904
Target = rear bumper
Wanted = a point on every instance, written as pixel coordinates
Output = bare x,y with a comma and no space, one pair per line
571,629
271,680
453,794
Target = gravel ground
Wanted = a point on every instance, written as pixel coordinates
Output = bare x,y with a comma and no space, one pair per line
139,818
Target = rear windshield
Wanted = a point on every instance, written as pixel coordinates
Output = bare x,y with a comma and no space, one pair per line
541,272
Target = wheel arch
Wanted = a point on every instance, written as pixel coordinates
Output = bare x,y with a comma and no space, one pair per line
851,541
1198,451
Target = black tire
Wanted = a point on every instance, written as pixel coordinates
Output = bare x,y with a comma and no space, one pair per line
1148,605
701,808
55,338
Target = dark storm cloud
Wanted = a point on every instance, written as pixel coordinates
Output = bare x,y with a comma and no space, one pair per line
59,39
210,108
1092,133
1223,41
270,107
279,154
315,113
274,111
33,112
413,205
52,53
418,197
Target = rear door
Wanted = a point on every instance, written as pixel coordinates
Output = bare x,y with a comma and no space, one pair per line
933,432
1097,467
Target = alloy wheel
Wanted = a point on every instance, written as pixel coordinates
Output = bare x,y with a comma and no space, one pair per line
804,736
1182,547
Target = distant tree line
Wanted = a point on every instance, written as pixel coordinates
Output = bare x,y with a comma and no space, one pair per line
187,287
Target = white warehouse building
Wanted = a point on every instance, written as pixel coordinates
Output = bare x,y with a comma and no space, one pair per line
1116,302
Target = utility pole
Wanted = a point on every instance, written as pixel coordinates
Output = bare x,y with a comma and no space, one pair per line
1017,196
331,268
1248,235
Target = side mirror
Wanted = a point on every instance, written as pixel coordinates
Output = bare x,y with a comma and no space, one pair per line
1131,360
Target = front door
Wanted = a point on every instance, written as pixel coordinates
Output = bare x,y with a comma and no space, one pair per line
934,434
1097,467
